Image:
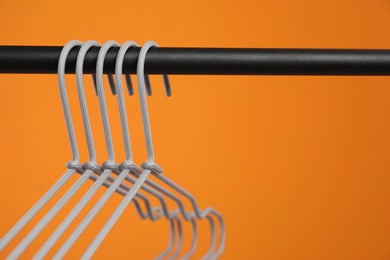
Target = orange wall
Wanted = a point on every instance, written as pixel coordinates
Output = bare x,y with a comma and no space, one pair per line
299,166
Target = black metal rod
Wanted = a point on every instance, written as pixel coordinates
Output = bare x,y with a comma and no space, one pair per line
206,61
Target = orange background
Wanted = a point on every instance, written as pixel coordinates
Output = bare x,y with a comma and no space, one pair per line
298,165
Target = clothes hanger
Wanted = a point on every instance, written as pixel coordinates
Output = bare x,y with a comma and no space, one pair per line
149,167
126,167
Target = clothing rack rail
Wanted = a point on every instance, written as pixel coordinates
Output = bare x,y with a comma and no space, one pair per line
206,61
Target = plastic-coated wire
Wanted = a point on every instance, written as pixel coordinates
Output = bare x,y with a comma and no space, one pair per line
200,214
142,96
179,241
209,254
151,212
114,217
48,217
83,225
82,100
110,81
194,241
102,99
191,216
34,210
64,97
121,99
72,215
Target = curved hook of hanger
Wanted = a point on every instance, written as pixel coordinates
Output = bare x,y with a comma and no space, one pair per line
156,171
72,166
167,85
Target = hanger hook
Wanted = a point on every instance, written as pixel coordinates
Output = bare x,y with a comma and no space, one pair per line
148,87
74,164
120,97
92,165
102,99
142,96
